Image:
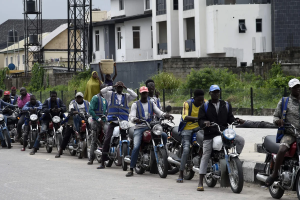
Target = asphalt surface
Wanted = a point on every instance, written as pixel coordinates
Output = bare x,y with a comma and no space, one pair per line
42,176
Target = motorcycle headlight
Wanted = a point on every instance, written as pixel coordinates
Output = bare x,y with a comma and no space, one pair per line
33,117
56,119
229,134
1,117
124,125
157,129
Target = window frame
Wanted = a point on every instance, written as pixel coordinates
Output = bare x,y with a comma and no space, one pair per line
97,40
161,7
188,4
121,4
147,3
119,38
136,29
151,37
11,59
241,28
175,5
258,21
23,58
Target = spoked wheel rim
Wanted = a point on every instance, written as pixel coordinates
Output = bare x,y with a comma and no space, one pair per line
234,177
208,179
160,166
274,189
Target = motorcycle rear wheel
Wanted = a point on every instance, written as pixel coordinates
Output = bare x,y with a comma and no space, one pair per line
72,152
210,182
236,180
277,192
108,163
188,174
49,149
163,164
298,185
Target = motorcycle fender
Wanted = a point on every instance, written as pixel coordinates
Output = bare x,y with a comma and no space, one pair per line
224,182
233,155
120,145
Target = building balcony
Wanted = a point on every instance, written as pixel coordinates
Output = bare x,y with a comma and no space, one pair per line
162,48
190,45
228,2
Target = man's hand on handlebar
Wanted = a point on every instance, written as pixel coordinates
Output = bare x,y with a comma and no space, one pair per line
240,121
138,121
280,123
206,124
168,116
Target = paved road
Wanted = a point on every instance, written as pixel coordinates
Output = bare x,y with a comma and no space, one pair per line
43,177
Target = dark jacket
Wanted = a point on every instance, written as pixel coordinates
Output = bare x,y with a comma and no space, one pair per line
46,108
223,118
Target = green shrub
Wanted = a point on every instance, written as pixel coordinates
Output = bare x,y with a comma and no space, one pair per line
166,80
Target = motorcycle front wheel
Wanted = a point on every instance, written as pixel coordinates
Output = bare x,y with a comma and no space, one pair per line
236,177
48,149
118,160
33,136
7,138
58,141
188,173
277,192
298,185
124,154
163,164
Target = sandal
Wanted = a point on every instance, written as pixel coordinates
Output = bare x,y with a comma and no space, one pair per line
270,180
101,167
200,188
179,180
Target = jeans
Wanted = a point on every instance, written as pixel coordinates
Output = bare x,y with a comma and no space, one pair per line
107,140
19,125
76,122
3,144
207,149
137,140
186,136
67,133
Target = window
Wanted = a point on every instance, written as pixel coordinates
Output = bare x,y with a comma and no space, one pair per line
136,37
258,25
23,59
6,62
243,64
151,38
188,4
121,4
242,26
18,59
147,4
175,4
161,7
119,37
11,59
97,40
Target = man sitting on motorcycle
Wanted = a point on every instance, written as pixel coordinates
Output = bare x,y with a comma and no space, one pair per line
98,108
220,112
190,114
153,95
143,110
6,98
78,105
32,106
14,96
118,107
52,106
22,100
292,116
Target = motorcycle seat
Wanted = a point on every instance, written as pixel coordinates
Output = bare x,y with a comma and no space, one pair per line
200,135
175,134
270,144
131,131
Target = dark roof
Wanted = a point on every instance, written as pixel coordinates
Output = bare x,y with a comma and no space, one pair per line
49,25
122,19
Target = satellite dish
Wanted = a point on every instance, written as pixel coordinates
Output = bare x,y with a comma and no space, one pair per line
11,66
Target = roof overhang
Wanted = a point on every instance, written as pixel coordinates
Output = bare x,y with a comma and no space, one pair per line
121,19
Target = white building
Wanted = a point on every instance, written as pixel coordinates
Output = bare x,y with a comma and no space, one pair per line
157,29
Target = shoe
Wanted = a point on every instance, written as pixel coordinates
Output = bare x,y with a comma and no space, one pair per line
101,167
57,155
23,149
130,173
90,162
33,151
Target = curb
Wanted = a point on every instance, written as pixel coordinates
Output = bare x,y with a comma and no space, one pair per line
250,169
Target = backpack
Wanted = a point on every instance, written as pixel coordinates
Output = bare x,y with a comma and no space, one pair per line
280,132
182,122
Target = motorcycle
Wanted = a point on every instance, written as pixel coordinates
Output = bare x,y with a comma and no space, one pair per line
175,150
77,145
224,163
119,148
4,130
91,138
12,121
152,155
33,128
289,174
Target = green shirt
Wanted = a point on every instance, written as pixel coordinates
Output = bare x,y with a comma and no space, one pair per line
94,106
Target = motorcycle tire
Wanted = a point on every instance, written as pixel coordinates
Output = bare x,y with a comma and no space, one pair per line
48,149
173,169
72,152
32,140
277,192
124,154
236,183
188,174
109,163
7,138
163,164
298,185
139,170
118,160
210,182
58,141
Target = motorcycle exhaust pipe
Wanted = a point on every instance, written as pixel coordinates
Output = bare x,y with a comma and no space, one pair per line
261,177
171,160
196,169
127,160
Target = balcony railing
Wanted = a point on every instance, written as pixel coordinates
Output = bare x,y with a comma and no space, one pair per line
190,45
228,2
188,4
162,48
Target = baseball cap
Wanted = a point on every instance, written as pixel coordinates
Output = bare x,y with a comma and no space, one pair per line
294,82
79,94
143,89
6,93
214,87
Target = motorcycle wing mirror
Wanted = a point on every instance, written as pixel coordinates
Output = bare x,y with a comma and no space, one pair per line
169,109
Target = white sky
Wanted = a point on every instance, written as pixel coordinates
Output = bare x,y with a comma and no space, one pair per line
52,9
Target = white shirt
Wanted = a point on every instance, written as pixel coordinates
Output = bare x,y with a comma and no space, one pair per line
133,116
81,107
217,106
131,95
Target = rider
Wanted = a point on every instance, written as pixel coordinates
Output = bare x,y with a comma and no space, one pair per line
22,100
78,105
98,108
6,98
152,92
2,105
143,109
108,80
118,107
53,106
14,95
190,114
220,112
292,117
32,106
